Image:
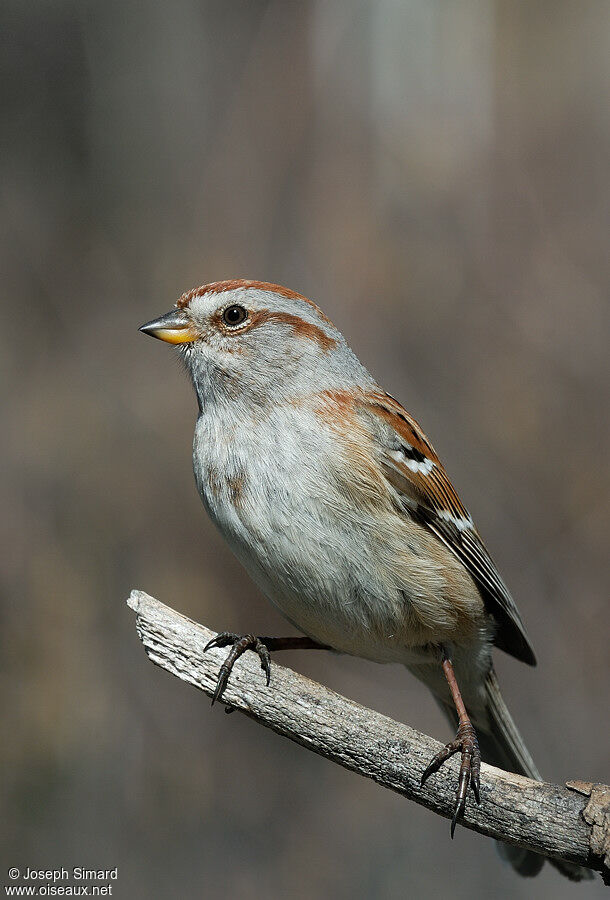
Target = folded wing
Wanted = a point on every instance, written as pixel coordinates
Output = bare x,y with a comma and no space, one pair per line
416,473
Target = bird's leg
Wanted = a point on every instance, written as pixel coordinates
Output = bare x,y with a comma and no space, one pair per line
261,645
465,741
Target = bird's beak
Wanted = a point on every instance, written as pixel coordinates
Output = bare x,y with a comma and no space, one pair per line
175,327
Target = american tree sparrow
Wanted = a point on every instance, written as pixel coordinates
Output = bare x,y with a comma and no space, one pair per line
335,501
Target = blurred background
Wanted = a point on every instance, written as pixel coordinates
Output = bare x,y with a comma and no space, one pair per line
435,175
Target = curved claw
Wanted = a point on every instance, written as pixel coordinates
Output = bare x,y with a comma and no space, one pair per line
222,639
239,646
265,658
460,797
465,742
437,761
221,683
475,780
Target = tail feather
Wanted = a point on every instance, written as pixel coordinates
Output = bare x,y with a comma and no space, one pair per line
501,745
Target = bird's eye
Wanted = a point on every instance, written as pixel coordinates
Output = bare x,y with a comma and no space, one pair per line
234,315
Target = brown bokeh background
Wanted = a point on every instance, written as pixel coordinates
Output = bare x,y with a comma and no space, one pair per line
435,175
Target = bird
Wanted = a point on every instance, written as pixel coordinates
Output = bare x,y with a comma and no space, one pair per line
332,497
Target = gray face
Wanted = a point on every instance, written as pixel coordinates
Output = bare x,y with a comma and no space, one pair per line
258,346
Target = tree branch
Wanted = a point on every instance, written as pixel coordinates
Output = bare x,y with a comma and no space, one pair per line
570,823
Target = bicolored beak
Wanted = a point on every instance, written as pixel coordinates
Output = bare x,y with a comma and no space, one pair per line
175,327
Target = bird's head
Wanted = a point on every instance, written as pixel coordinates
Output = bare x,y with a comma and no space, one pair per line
251,338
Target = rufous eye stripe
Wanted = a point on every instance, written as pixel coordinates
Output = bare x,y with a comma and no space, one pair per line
219,287
299,326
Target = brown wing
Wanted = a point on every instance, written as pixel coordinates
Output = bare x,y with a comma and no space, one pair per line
415,471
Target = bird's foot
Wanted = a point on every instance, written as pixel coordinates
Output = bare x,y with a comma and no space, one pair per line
465,742
239,644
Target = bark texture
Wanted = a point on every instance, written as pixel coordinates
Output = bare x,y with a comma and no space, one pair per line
570,822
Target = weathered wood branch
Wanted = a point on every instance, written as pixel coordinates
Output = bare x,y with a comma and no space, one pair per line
569,823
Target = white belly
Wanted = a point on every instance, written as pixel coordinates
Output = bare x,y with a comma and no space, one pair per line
336,571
